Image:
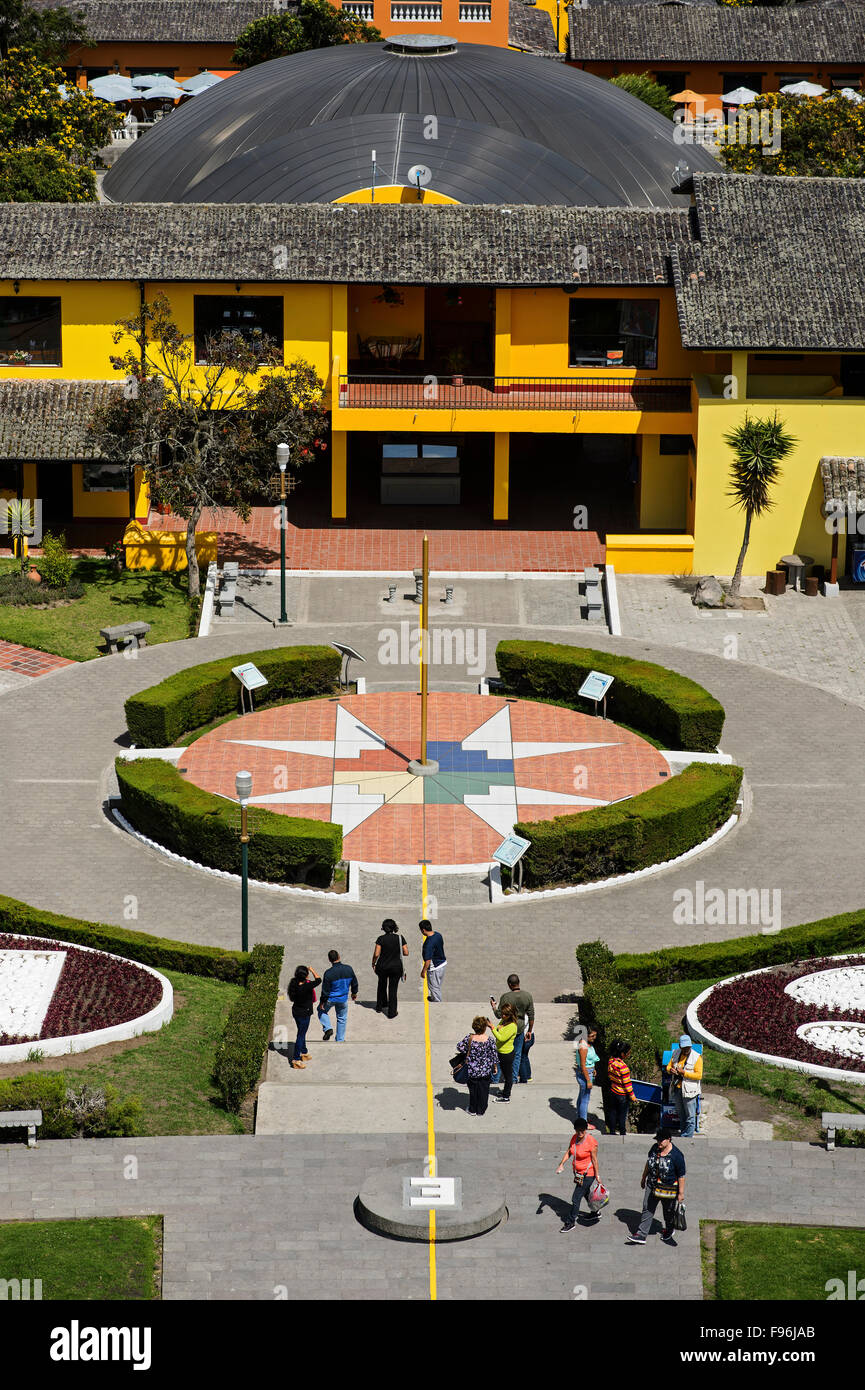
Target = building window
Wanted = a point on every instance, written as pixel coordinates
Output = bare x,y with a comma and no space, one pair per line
673,81
733,80
839,80
10,477
675,443
105,477
29,331
613,333
253,316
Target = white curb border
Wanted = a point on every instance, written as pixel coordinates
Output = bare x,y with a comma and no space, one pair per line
207,603
703,1035
614,619
118,1032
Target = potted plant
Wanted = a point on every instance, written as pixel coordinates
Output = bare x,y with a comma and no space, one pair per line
456,362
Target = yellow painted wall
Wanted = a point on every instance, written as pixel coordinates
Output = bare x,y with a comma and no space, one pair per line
369,319
186,58
639,554
114,504
795,524
165,550
663,487
394,193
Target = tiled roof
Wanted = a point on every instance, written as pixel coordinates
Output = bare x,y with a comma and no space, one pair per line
49,419
843,482
688,34
531,30
167,21
351,242
780,263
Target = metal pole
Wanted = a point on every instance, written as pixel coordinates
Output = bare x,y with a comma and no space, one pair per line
424,651
244,877
283,616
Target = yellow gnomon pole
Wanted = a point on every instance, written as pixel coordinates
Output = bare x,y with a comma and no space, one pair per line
424,650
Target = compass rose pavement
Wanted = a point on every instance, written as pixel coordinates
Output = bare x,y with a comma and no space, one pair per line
500,761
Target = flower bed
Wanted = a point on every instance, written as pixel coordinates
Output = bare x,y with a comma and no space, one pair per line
80,1000
807,1015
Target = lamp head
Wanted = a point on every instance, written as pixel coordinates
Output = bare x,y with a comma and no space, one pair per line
282,456
243,785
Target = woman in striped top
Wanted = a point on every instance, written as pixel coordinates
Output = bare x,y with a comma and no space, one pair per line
621,1090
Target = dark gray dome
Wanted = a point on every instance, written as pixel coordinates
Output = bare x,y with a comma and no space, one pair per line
511,128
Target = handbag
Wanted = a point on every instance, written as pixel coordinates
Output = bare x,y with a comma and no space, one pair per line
680,1222
598,1196
461,1069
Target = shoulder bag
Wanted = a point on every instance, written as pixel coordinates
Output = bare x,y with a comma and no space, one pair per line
461,1070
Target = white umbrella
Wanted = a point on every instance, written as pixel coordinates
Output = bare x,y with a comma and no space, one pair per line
201,81
804,89
740,97
150,79
114,87
162,88
850,94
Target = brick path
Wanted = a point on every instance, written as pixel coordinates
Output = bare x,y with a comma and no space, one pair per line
26,661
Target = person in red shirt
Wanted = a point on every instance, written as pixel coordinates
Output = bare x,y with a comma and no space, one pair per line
583,1151
621,1090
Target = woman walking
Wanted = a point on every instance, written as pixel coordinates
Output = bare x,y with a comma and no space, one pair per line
481,1054
504,1035
621,1090
587,1061
301,992
387,958
583,1151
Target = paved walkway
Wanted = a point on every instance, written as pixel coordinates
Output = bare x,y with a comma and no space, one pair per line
265,1217
26,661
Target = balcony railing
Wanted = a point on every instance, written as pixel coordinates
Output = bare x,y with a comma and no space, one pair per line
387,392
476,14
426,13
361,9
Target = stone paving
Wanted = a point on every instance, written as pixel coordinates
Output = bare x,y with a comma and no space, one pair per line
26,661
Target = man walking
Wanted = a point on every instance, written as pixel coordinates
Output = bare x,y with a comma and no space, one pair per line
663,1181
434,961
337,982
523,1006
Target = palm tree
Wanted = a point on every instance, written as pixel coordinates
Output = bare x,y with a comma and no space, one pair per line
759,448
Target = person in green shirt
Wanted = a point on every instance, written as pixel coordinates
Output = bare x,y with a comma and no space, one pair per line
523,1006
504,1035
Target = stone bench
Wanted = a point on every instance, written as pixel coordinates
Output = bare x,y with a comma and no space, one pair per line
594,596
227,597
833,1120
22,1119
125,632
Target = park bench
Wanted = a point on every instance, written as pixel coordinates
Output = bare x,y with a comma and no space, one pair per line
594,597
125,632
22,1119
228,592
833,1120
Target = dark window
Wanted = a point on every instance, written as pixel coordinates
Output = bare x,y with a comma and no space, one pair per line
673,81
613,333
845,79
252,316
29,331
10,476
105,477
675,443
732,80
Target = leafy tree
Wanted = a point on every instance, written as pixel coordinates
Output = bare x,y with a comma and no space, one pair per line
46,34
759,448
647,89
819,137
33,111
204,433
316,24
44,175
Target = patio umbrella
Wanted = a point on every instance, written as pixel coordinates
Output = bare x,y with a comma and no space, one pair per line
851,94
149,79
804,89
162,88
114,87
201,81
687,96
740,97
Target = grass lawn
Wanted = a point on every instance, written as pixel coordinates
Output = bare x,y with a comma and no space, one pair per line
664,1007
72,630
171,1070
793,1263
93,1258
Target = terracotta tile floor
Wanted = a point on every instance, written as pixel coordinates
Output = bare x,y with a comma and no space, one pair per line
28,662
403,829
364,547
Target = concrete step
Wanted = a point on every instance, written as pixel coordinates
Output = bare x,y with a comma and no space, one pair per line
462,889
448,1023
401,1109
403,1063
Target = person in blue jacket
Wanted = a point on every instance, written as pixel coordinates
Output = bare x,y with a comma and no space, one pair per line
337,983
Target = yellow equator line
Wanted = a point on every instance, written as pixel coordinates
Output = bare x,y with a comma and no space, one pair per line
430,1122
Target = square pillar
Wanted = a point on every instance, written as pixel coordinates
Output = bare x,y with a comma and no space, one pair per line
338,474
739,369
501,476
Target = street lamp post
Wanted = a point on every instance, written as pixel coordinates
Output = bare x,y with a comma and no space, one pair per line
282,455
243,787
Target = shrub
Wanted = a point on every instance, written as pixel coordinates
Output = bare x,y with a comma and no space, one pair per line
644,696
192,698
56,564
69,1112
19,591
203,827
650,828
247,1029
595,958
187,957
645,88
715,959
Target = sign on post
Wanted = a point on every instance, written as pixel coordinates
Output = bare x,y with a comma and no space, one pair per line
510,853
595,687
250,679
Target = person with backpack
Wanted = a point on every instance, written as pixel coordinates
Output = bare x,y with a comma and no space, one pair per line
337,983
387,962
621,1090
663,1181
583,1152
685,1068
301,992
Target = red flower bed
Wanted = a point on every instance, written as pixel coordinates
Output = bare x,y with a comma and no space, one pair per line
757,1014
93,991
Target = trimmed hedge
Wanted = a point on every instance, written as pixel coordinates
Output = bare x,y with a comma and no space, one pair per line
650,828
247,1029
158,952
831,936
192,698
203,827
647,697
